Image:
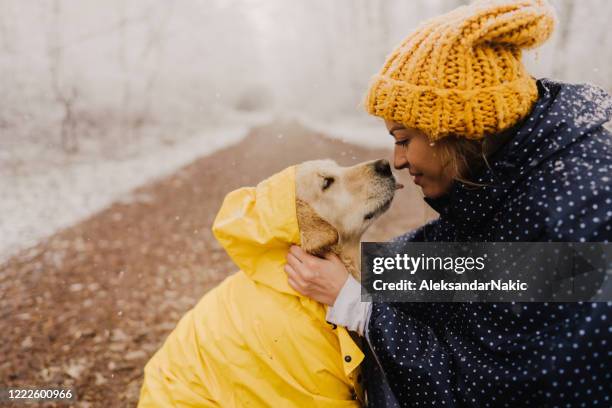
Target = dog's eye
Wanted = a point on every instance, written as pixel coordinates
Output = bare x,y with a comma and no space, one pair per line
327,181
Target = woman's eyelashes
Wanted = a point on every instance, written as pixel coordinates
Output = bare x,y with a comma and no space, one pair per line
403,142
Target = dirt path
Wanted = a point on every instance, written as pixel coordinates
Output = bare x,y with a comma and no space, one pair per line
90,305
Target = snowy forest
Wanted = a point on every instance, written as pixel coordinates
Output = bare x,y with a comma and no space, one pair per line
72,71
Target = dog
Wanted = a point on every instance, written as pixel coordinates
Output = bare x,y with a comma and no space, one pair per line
253,340
336,205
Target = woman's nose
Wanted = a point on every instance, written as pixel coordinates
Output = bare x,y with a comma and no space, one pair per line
399,158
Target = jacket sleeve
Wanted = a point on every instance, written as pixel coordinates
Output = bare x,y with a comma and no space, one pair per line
416,363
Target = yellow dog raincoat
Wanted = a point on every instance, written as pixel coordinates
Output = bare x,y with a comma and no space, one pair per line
253,341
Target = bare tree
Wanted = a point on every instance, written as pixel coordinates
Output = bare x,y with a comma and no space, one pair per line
65,96
155,44
126,127
5,41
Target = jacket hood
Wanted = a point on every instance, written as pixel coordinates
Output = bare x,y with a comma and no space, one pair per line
564,116
257,225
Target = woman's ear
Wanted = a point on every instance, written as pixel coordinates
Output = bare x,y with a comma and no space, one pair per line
316,234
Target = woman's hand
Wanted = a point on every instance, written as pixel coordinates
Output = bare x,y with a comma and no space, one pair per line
320,279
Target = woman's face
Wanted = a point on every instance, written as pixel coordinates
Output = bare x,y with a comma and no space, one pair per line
414,152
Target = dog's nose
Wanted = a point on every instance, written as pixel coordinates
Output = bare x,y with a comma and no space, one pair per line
382,168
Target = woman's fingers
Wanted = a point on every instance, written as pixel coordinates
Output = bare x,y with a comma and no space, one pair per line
293,284
296,281
301,271
291,277
293,273
320,279
293,260
304,257
298,252
306,265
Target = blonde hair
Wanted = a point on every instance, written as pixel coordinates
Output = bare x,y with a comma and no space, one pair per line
463,158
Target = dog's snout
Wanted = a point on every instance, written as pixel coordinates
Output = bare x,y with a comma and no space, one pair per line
382,168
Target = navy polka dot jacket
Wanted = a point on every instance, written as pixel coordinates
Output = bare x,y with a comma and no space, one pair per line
550,182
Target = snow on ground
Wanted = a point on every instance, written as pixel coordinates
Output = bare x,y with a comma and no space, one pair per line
35,204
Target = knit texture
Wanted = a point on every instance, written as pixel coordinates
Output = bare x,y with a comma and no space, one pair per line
461,73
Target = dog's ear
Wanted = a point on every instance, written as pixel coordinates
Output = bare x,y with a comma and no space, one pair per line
316,234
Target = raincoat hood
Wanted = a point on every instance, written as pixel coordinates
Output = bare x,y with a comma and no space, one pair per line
257,225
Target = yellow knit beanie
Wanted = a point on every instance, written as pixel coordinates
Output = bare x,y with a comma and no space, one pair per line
461,73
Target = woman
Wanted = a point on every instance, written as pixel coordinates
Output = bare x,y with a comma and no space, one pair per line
501,157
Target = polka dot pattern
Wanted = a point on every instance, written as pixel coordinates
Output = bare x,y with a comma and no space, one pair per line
550,183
